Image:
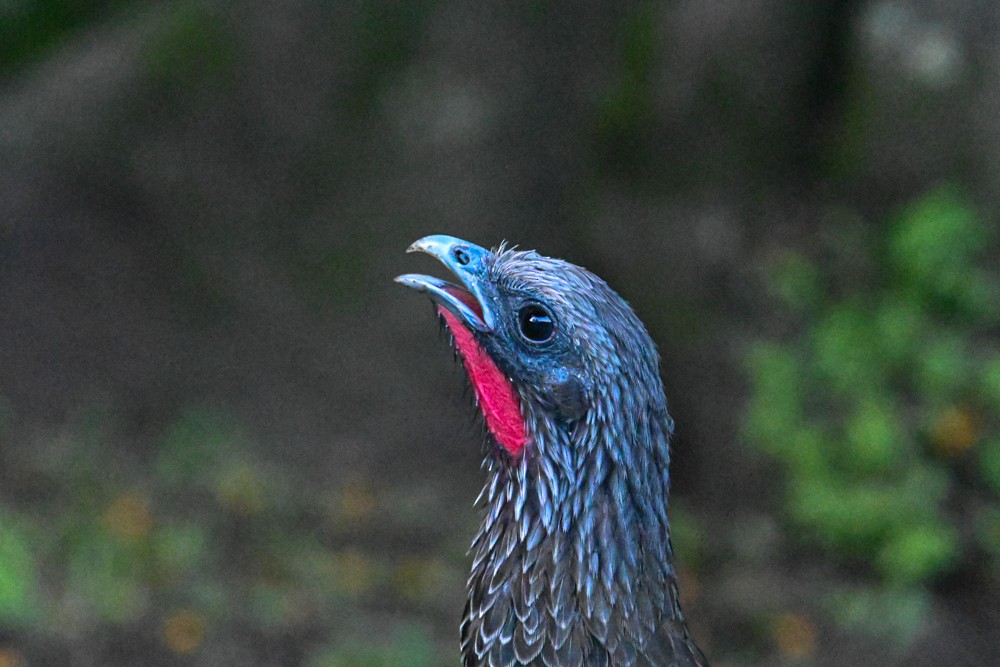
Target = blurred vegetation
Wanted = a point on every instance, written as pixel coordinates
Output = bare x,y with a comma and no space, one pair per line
29,30
881,404
192,45
204,543
626,115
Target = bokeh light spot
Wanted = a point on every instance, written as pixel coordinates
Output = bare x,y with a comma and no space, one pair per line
353,573
128,518
10,658
794,634
357,500
954,432
184,631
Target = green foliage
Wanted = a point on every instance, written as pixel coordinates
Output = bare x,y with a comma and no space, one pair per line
409,646
845,349
917,552
891,382
686,536
934,245
874,436
31,28
775,372
19,598
899,321
989,462
627,112
988,533
990,383
192,45
103,576
200,534
797,281
895,615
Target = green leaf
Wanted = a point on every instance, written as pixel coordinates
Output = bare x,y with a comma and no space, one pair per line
849,517
19,601
942,367
194,446
921,492
979,296
686,535
917,553
409,645
899,321
105,576
846,348
806,451
796,281
897,615
777,390
875,436
936,239
180,548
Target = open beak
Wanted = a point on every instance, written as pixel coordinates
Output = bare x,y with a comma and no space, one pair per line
469,263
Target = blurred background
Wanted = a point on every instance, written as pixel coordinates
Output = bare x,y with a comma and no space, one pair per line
227,438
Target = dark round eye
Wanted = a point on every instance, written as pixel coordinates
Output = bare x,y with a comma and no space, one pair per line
536,323
461,254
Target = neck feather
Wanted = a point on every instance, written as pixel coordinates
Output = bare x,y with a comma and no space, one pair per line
576,527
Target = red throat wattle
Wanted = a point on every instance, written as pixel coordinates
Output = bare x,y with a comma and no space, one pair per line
494,391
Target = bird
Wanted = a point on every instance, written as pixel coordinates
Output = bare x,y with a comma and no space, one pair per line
572,564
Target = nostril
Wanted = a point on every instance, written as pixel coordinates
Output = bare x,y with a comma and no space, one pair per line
461,255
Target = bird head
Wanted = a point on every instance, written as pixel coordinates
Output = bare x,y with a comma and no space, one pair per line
546,343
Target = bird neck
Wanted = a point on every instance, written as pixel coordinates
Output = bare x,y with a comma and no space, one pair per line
578,524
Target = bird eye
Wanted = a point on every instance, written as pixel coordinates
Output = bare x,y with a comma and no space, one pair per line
536,323
461,254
